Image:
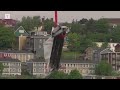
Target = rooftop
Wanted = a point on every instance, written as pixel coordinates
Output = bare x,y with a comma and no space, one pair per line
78,61
36,60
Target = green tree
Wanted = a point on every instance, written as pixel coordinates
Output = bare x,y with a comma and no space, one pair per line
73,41
85,43
36,21
57,75
29,22
103,68
7,38
90,26
48,24
74,74
83,21
102,26
1,68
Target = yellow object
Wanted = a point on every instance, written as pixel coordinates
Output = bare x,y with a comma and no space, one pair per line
22,41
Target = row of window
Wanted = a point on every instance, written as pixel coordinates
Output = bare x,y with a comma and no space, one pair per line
38,64
12,64
81,71
11,70
79,65
38,70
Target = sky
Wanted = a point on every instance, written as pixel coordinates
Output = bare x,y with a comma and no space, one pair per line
63,16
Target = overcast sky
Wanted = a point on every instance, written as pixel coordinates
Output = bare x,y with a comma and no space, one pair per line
63,16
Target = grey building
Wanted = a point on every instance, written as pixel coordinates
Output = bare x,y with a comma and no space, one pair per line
37,67
11,66
112,58
35,43
93,53
83,66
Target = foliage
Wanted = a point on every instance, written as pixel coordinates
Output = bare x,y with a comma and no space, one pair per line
29,22
57,75
7,38
1,68
74,74
68,55
48,24
73,41
103,68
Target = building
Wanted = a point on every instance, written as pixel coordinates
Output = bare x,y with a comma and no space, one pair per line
23,56
111,57
8,22
21,35
21,31
117,48
113,21
93,53
89,53
22,42
35,43
110,45
84,67
11,66
38,67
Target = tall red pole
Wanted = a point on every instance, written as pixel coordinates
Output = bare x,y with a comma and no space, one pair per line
56,19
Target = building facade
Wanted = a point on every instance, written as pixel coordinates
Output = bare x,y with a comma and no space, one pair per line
8,22
111,57
84,67
35,43
23,56
38,67
11,66
93,53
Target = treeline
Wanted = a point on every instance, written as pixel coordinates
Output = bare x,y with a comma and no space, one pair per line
82,33
95,30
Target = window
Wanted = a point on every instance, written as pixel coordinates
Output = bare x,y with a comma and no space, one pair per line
19,70
19,64
74,65
65,71
86,65
34,70
34,64
10,70
65,64
13,69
